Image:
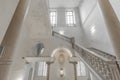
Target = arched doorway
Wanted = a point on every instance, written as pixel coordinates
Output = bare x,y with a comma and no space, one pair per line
61,68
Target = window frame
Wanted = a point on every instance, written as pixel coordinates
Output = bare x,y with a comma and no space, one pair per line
53,18
70,19
42,69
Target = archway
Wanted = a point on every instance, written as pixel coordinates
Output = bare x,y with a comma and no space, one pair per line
61,68
61,49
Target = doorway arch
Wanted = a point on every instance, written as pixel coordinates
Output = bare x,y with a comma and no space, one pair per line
61,49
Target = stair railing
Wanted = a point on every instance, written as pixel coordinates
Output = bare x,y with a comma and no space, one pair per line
61,36
105,65
102,53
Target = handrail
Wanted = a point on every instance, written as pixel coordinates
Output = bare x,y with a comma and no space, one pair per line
71,40
85,49
96,54
62,36
106,67
107,55
53,33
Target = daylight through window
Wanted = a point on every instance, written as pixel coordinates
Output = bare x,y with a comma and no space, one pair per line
70,18
42,69
53,18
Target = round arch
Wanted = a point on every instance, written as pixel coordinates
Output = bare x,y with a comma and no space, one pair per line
58,49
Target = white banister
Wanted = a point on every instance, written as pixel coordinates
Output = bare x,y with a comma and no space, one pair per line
104,65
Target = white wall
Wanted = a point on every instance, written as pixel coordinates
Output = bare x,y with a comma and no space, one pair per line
86,7
7,9
95,26
32,27
75,31
61,21
116,6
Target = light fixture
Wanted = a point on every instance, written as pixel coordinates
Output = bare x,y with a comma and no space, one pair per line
61,72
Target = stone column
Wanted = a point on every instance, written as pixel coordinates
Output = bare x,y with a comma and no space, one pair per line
48,69
113,24
75,69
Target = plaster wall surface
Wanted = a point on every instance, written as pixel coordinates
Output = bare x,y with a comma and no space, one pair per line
7,9
75,31
29,26
115,5
95,27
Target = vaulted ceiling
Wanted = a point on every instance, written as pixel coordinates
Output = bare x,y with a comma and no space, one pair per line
64,3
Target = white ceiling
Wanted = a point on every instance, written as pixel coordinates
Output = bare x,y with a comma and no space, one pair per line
64,3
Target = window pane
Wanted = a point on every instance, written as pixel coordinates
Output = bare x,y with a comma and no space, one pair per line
53,18
70,18
42,69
